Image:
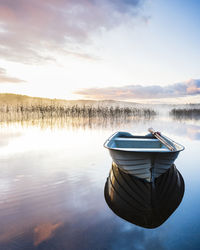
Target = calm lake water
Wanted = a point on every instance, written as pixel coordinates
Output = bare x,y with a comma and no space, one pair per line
52,178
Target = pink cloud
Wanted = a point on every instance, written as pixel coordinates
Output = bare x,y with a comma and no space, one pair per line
193,87
128,92
34,27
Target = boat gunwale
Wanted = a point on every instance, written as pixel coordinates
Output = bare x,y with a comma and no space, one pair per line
131,150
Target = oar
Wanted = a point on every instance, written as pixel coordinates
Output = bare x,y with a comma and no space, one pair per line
161,139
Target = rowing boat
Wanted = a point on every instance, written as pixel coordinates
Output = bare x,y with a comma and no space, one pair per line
146,157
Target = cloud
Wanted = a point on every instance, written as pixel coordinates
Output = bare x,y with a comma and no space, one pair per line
29,30
188,88
4,78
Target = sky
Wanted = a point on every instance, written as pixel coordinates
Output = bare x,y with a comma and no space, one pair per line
129,50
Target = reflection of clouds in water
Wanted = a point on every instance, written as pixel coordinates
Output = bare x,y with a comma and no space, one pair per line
106,234
50,207
83,234
194,132
43,232
187,130
42,194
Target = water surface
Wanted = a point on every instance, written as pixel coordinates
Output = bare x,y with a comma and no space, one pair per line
53,174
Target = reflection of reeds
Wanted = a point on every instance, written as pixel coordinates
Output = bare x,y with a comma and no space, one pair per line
185,114
27,112
78,122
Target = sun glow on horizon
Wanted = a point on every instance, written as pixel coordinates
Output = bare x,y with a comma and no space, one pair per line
133,46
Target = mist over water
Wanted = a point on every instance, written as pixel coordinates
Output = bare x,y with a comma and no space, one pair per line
53,173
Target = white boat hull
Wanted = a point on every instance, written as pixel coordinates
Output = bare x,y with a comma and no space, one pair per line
143,165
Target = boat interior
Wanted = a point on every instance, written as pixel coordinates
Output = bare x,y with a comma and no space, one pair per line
128,142
137,143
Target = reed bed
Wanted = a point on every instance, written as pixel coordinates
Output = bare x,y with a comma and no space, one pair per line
185,114
27,112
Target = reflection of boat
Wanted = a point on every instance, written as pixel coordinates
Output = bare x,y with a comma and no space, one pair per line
143,156
147,204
